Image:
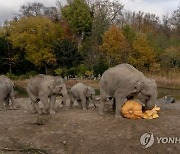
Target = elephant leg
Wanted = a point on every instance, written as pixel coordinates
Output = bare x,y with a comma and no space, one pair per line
101,106
120,97
2,105
72,100
44,100
6,101
11,96
119,102
79,104
34,102
83,101
102,101
35,107
87,103
52,104
64,98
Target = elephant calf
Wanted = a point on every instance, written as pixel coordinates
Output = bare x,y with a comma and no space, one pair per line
83,94
6,92
43,88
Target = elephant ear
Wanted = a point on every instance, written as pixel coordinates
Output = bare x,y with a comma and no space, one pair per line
85,91
51,84
139,86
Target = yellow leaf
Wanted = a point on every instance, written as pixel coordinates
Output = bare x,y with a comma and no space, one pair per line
155,115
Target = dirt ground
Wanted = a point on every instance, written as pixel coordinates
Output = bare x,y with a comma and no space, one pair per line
74,131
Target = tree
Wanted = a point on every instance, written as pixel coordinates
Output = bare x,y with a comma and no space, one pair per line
8,55
78,15
107,10
32,9
35,36
140,21
90,52
175,20
52,13
142,55
114,45
129,33
67,53
171,57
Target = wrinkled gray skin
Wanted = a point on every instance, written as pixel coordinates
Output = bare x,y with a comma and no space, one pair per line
83,94
6,93
45,88
123,82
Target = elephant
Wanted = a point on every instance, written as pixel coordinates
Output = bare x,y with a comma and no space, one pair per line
83,94
45,88
123,82
6,93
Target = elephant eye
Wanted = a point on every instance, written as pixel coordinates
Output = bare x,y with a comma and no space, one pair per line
148,97
60,87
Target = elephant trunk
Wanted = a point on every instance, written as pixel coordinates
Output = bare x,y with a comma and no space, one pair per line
148,101
93,99
151,103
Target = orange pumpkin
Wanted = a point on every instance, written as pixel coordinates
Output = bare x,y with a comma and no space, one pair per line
132,110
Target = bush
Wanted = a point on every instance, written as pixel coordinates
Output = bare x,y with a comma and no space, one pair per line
88,73
23,76
12,76
73,71
31,74
58,71
100,68
80,70
27,75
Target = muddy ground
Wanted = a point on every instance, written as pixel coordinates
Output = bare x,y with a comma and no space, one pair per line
74,131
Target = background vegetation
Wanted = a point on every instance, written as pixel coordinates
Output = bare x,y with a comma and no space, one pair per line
82,38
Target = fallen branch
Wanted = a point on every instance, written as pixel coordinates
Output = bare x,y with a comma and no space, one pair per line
34,150
9,109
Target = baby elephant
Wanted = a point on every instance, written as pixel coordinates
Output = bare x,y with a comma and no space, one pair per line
83,94
45,88
6,92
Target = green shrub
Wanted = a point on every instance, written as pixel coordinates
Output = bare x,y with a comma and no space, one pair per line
11,76
23,76
81,69
58,71
31,74
88,73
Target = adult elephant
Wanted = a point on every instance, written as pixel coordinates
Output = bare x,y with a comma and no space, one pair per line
83,94
43,88
123,82
6,93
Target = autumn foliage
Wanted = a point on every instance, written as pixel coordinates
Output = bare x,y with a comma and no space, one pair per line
114,45
88,36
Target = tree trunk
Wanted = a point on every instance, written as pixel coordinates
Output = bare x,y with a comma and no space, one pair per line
10,70
46,70
79,37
